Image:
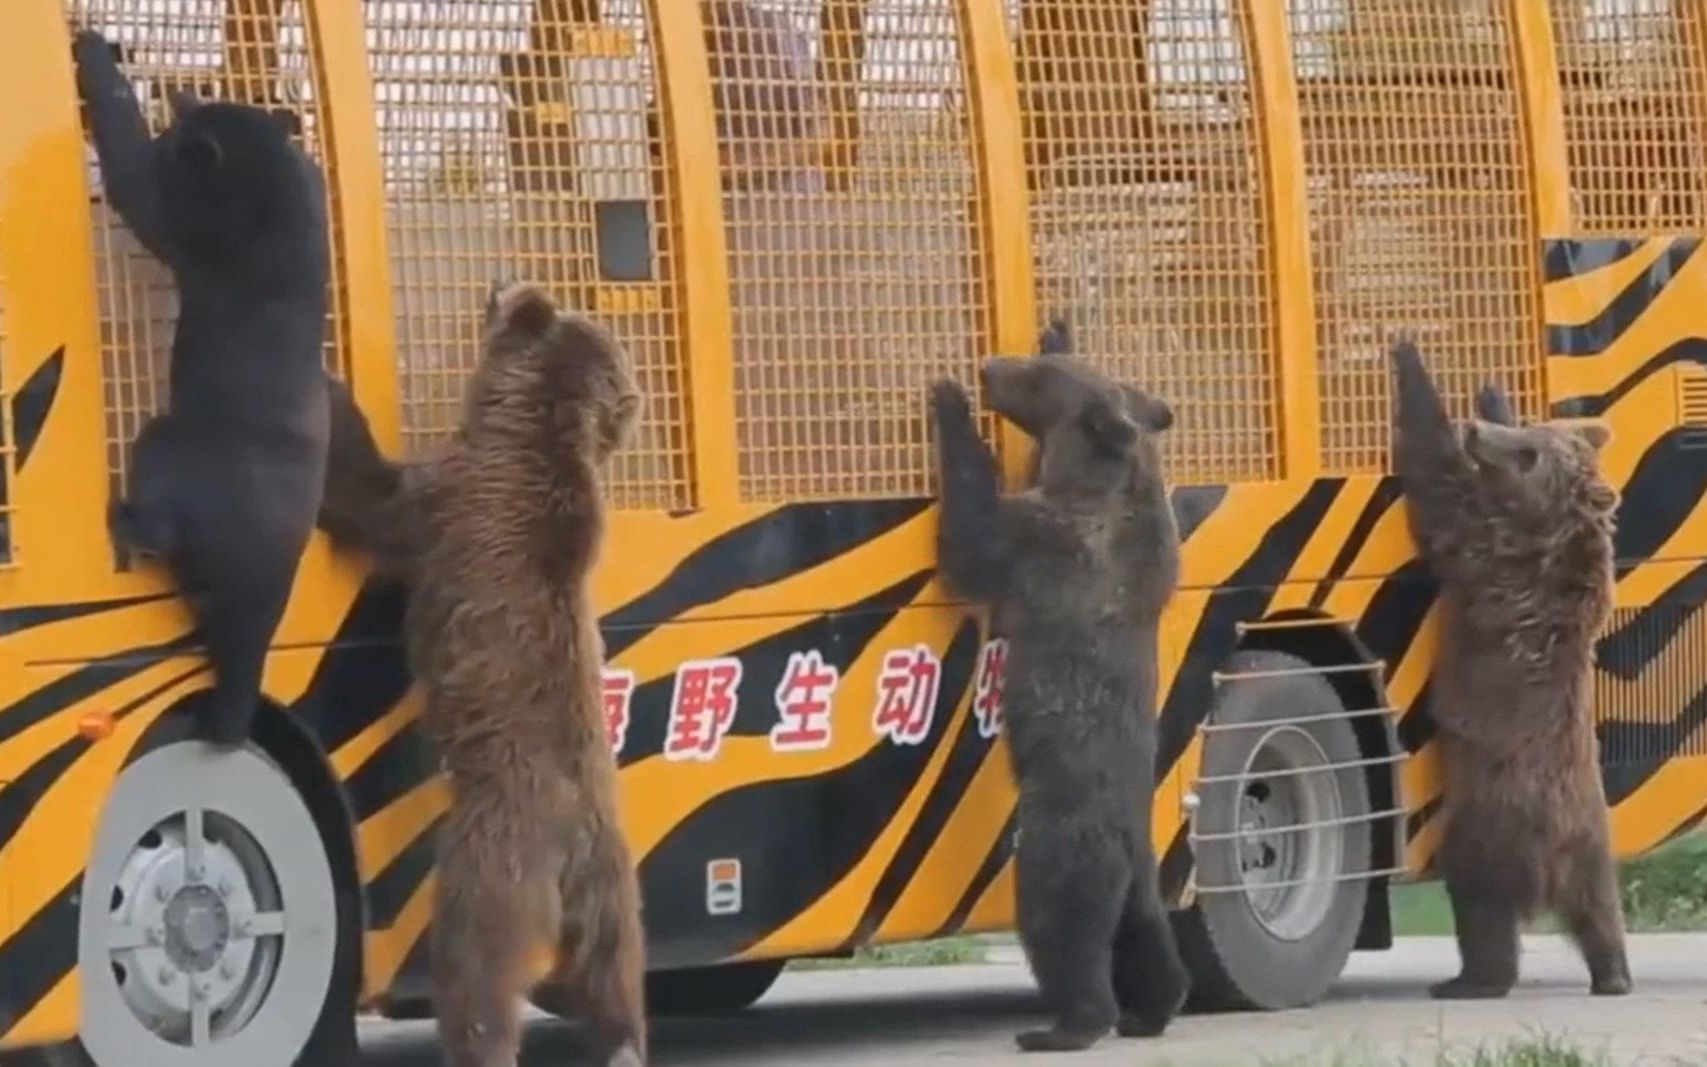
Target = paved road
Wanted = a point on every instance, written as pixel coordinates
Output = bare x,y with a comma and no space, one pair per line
910,1018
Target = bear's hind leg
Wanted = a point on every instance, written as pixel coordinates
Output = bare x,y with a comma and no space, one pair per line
1589,905
1150,980
493,915
1486,927
601,969
1069,909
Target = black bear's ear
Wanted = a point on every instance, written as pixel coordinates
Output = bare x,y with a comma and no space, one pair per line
522,307
1493,405
1152,412
288,120
183,103
1109,428
1057,338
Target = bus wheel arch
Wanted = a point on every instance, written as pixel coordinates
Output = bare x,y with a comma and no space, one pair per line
182,963
1299,735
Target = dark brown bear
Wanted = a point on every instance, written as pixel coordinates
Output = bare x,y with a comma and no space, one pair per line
1077,571
1516,524
505,524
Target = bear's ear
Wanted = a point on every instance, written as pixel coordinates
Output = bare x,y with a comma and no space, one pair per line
1152,413
1109,428
522,307
1597,434
183,102
1057,338
287,119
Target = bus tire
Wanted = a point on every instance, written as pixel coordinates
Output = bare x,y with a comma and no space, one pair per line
1281,946
242,950
722,989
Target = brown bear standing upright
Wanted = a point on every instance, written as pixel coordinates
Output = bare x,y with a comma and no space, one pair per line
1077,571
1516,524
503,527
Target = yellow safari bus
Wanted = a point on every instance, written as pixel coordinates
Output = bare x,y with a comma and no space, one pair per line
796,214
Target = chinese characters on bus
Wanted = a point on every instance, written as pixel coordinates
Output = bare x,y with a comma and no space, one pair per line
706,698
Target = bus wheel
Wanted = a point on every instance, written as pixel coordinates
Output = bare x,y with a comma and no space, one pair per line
209,926
719,990
1281,840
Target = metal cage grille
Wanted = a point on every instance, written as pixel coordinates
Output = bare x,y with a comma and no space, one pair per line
850,200
1631,75
1142,156
1421,208
521,138
250,51
1649,692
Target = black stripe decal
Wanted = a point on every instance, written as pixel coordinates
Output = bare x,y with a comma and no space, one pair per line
1658,741
968,754
1193,504
779,544
19,797
1563,258
82,683
17,620
1416,820
1244,595
1598,334
34,959
32,402
1589,406
1625,651
1174,868
795,839
1001,850
1665,487
394,886
1386,493
363,673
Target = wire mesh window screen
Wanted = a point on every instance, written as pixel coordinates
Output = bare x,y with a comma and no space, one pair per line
852,226
1149,228
249,51
521,138
1650,684
1421,216
1631,73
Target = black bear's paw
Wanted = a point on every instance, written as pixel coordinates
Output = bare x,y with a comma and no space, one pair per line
1138,1026
1057,1039
1461,988
950,404
1612,985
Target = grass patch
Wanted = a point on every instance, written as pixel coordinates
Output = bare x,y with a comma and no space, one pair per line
938,953
1664,891
1539,1051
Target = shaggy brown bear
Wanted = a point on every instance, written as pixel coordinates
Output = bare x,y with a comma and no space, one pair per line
1516,524
503,527
1077,571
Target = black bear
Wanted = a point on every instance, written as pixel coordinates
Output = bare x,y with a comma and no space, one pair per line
225,483
1077,571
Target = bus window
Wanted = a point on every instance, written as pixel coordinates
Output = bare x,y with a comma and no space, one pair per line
1148,217
1633,87
853,289
517,140
1420,208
